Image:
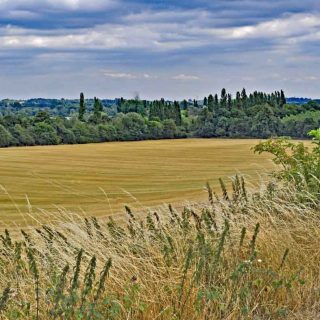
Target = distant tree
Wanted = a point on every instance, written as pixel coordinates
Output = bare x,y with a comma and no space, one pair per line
229,101
205,101
22,136
238,99
265,123
177,114
223,98
216,102
184,104
210,103
155,129
244,97
169,129
42,116
97,109
82,107
107,132
45,134
6,138
17,105
283,99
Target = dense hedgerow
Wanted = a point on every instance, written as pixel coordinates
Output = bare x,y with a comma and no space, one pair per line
255,115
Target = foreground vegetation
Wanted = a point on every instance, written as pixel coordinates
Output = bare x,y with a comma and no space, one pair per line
252,256
244,255
255,115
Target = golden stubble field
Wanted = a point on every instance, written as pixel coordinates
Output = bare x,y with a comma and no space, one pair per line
99,179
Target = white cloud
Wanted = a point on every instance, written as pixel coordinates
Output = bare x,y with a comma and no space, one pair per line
288,26
36,5
312,78
186,77
129,75
120,75
141,32
149,76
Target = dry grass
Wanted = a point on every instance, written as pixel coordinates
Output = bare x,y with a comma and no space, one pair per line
175,265
98,179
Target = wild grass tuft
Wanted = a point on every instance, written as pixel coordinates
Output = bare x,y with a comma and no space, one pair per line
247,255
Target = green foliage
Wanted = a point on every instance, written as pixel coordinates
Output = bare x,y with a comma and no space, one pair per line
300,164
82,107
6,138
50,121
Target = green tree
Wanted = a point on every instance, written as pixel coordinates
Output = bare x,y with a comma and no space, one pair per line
238,99
184,104
155,129
82,107
107,132
45,134
6,138
22,136
42,116
265,123
244,97
216,102
210,103
223,99
177,114
169,129
229,101
283,99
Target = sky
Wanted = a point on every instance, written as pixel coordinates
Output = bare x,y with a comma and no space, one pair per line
167,48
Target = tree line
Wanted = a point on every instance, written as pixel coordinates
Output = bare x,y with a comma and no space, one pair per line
254,115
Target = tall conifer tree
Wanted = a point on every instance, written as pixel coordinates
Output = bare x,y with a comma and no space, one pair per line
82,107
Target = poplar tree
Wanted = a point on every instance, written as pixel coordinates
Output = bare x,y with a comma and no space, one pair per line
223,100
229,101
244,97
82,107
238,99
283,99
97,108
184,104
216,102
177,111
210,103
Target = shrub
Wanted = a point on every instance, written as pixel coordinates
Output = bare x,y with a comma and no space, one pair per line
300,164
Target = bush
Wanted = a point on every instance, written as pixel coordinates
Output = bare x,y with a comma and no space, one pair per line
300,165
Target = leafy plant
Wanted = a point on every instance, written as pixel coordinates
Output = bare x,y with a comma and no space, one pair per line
300,164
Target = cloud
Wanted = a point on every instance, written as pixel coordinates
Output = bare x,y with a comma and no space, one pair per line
129,75
159,45
38,5
296,25
311,78
185,77
164,36
120,75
